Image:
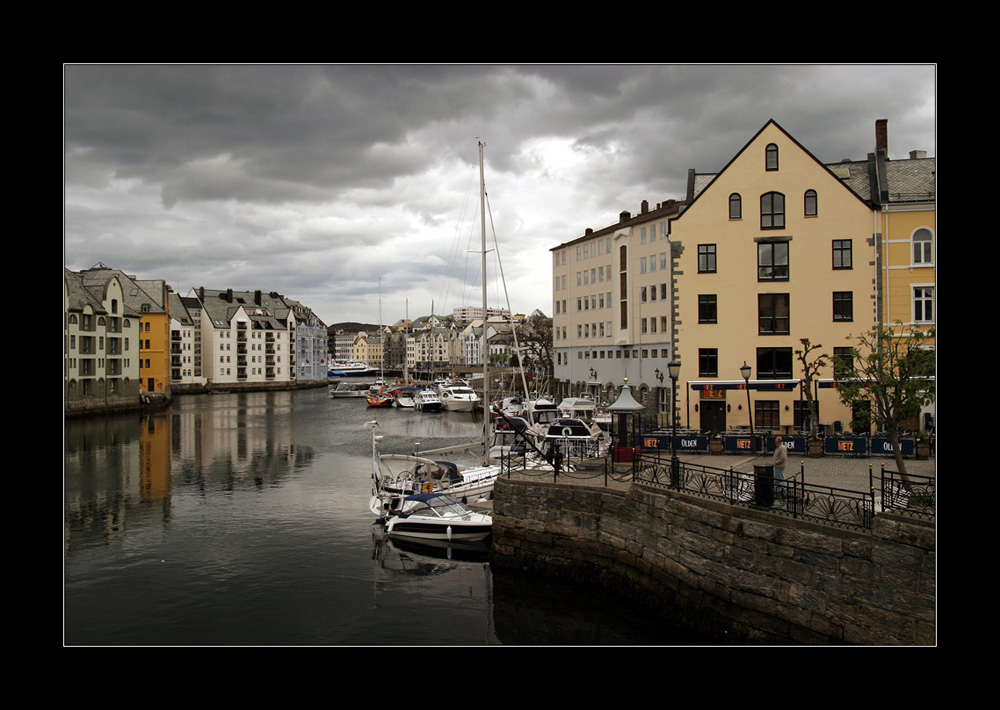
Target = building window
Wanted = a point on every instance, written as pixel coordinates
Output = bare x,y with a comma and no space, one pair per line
843,305
842,254
735,206
708,310
766,413
923,304
706,258
771,157
774,363
843,363
773,314
772,210
772,261
923,247
708,362
810,203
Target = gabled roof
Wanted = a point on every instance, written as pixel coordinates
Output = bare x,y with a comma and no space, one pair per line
699,182
78,296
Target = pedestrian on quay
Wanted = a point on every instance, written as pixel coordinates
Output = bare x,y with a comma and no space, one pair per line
779,461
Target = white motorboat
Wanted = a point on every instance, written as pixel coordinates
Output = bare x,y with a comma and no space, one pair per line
578,408
459,398
573,438
405,397
437,516
348,389
427,400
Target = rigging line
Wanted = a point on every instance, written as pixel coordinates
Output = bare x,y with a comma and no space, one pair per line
510,311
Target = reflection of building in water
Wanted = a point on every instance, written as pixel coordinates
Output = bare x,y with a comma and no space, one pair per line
232,438
113,469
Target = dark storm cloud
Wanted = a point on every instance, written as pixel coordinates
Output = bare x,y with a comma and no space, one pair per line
312,179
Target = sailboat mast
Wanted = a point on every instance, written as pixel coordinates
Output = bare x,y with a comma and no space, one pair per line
484,349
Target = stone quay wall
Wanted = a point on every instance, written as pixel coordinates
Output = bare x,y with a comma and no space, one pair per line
734,574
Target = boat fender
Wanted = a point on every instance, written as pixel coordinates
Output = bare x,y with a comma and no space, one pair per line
449,533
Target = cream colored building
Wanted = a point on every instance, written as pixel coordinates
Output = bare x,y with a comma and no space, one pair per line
774,248
611,309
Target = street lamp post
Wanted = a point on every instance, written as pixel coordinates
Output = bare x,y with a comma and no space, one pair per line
745,371
674,370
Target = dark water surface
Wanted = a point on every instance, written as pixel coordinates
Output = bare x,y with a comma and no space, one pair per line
242,519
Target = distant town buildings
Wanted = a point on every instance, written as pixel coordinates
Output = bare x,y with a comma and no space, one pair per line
129,340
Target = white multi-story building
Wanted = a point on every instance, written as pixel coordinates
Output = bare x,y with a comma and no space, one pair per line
611,313
185,341
247,337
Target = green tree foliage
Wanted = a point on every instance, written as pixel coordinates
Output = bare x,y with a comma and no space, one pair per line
890,374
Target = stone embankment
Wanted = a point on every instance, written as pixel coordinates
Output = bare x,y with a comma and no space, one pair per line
738,575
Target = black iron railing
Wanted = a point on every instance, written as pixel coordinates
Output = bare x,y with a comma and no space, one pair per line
912,494
793,496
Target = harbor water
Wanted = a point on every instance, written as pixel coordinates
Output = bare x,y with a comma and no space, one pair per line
242,519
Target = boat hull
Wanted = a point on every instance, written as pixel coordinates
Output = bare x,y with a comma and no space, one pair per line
413,529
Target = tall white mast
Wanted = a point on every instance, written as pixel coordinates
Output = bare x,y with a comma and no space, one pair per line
484,349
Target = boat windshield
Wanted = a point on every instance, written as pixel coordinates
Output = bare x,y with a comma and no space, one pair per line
439,506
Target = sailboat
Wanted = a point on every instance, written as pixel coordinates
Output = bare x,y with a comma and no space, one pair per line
380,397
420,475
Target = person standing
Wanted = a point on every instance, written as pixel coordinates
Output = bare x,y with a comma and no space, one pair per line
779,461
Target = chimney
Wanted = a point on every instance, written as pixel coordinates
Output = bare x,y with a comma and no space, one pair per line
625,216
882,136
645,206
916,154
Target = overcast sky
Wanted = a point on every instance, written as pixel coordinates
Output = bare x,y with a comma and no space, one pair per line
331,184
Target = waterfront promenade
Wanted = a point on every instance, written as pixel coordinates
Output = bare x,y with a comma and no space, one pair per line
846,473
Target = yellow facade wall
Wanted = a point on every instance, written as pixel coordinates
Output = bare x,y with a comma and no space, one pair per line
812,280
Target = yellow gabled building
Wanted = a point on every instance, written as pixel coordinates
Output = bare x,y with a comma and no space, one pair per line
774,248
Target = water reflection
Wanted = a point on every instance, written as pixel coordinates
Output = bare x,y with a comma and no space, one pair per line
242,519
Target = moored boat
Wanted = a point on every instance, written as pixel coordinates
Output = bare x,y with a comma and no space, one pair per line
427,400
350,371
437,516
459,398
405,397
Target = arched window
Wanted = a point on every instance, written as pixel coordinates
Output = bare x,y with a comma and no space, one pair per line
735,206
772,210
771,157
923,246
810,203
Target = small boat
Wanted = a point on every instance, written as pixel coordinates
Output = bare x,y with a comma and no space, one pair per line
437,516
400,475
574,438
380,398
348,389
405,397
459,398
426,400
578,408
396,476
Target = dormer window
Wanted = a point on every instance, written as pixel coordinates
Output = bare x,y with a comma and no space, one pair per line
771,157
